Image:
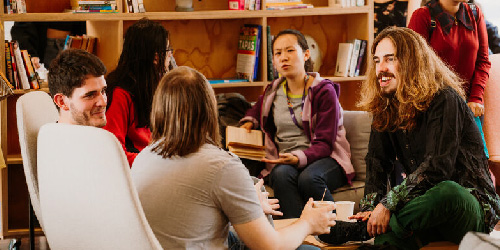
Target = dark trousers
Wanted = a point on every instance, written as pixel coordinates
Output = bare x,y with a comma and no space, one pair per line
445,212
293,187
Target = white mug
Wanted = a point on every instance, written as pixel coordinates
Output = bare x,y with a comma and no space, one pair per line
344,209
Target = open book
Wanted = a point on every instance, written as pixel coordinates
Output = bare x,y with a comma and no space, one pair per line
245,145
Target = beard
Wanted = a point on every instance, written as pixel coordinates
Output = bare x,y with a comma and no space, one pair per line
84,118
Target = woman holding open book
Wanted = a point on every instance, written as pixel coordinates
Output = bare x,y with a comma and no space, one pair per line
144,60
300,114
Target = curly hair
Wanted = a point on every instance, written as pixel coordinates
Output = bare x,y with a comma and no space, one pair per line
421,74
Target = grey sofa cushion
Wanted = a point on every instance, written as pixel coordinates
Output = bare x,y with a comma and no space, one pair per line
358,126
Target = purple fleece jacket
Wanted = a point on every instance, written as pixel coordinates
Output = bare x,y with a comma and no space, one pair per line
322,121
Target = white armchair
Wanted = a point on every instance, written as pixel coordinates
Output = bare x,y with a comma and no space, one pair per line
87,197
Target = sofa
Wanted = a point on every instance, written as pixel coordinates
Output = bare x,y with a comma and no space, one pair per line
357,125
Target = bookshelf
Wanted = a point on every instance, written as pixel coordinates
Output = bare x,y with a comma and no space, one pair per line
205,39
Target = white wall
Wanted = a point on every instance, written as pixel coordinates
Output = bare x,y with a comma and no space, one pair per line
491,10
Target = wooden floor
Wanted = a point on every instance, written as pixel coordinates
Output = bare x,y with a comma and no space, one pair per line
40,244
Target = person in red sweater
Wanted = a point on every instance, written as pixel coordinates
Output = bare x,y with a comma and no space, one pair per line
461,40
144,60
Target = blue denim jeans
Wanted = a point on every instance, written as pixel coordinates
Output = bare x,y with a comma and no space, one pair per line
293,187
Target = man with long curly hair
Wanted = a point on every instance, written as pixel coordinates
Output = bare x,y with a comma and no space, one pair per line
421,118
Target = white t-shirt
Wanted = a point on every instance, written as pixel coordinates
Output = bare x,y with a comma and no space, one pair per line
189,201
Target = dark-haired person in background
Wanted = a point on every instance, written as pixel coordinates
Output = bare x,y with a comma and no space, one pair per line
144,60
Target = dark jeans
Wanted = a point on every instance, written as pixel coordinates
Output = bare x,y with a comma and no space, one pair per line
445,212
293,187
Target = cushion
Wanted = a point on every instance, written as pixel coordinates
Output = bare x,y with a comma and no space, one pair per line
358,126
475,240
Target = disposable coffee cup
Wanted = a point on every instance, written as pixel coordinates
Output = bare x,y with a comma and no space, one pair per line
344,209
317,204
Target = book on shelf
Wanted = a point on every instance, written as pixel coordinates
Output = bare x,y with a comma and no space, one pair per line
7,7
244,144
13,6
362,52
284,5
21,6
16,81
128,6
270,67
217,81
94,6
354,57
140,4
247,59
244,4
289,7
236,4
343,59
76,42
135,5
30,70
350,3
84,42
8,63
23,77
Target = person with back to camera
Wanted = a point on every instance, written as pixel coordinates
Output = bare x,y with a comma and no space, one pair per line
191,189
144,60
301,117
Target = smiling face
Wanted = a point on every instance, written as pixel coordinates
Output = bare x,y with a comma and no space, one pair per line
386,66
86,105
288,56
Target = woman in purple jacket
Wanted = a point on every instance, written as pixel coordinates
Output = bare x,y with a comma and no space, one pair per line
300,115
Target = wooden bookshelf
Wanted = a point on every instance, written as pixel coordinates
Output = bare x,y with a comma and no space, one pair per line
205,39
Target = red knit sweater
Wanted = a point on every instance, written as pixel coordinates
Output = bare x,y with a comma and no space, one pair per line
121,121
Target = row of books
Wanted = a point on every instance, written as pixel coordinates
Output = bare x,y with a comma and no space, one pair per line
134,6
270,4
20,70
284,5
84,42
350,58
94,6
14,6
244,4
350,3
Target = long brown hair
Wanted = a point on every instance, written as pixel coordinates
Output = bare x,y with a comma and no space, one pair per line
184,114
421,75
